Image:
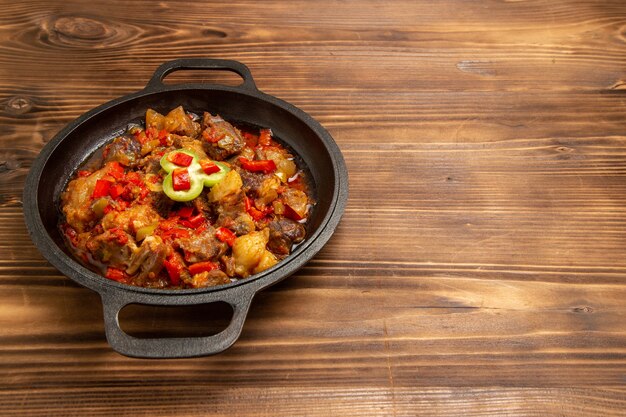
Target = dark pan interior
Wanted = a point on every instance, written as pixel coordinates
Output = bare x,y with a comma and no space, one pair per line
256,109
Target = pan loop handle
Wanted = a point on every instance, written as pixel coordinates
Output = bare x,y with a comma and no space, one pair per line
176,347
201,64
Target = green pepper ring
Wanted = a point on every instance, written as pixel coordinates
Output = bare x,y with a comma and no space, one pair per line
197,177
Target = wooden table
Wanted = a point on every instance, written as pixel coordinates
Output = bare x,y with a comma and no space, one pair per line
479,269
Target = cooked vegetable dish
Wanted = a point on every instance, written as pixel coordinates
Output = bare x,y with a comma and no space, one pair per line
186,202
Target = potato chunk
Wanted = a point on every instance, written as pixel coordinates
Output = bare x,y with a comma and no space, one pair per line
250,254
231,184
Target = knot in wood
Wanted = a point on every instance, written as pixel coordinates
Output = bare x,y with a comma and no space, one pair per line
81,28
18,105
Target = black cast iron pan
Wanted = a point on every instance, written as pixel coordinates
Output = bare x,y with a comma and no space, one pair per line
60,158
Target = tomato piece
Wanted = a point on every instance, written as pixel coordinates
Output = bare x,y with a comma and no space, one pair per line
180,158
180,179
265,165
101,189
84,173
209,167
203,267
225,235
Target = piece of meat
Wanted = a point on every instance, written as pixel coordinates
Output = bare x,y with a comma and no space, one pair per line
148,259
202,247
161,203
124,149
284,233
221,138
76,201
113,247
131,219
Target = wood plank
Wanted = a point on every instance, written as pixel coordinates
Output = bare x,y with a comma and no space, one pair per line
479,268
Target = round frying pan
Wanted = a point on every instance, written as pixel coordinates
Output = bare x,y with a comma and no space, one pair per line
63,155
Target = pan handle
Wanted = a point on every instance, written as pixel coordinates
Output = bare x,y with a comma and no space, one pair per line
201,64
178,347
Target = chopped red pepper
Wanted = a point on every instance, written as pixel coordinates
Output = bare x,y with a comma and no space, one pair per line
101,189
134,178
265,138
185,212
180,179
115,170
180,158
265,165
209,167
203,267
225,235
116,274
251,139
84,173
116,190
151,133
175,233
255,213
162,136
174,267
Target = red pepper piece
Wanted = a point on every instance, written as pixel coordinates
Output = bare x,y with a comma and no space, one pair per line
175,233
180,158
202,267
174,267
116,274
162,136
265,138
101,189
196,220
225,235
115,169
265,165
209,167
185,212
151,133
134,178
116,190
84,173
180,179
251,139
255,213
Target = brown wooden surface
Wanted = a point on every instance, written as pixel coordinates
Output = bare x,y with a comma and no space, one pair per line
480,267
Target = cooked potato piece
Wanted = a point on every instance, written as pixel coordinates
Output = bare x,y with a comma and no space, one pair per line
155,119
249,253
267,261
231,184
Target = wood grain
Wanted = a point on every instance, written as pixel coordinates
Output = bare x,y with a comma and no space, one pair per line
479,268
